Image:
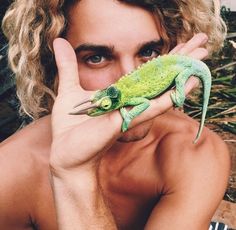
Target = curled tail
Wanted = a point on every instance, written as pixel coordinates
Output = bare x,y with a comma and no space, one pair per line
199,69
205,76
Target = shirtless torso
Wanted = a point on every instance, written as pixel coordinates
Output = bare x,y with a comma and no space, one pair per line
138,179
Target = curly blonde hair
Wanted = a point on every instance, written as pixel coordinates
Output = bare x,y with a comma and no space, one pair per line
31,27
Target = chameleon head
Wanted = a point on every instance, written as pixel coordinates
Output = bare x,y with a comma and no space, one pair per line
103,101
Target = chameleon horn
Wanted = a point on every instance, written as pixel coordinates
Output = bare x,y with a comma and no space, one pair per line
82,102
83,111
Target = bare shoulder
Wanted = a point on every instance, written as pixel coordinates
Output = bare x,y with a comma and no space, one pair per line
206,163
193,176
23,146
23,165
177,152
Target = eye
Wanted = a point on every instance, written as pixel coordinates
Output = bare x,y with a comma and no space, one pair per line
148,53
95,59
106,103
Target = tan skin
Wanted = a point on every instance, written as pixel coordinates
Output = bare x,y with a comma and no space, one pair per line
161,181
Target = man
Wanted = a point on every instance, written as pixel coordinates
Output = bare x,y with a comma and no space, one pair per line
150,177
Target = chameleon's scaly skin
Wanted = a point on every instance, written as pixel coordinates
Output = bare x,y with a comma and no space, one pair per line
148,81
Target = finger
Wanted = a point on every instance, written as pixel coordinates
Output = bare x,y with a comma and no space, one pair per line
199,53
67,66
195,42
177,48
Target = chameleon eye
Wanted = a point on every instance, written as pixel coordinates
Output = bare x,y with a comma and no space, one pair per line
112,92
106,103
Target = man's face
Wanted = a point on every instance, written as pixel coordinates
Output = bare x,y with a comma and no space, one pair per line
111,39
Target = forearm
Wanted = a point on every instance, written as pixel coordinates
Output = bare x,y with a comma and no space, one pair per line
80,204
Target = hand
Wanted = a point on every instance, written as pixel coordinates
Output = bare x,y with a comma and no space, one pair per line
77,140
80,140
193,48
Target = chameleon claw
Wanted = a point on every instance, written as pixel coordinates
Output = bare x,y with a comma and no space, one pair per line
126,119
177,100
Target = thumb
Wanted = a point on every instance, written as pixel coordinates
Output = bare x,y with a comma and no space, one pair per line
67,66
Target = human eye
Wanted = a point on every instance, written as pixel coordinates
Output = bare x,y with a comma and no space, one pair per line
96,60
148,53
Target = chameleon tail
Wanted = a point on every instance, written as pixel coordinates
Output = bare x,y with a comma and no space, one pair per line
205,77
200,70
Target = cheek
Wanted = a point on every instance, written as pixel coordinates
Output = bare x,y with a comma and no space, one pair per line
94,79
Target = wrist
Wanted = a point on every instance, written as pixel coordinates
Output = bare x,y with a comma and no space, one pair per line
82,177
82,198
70,161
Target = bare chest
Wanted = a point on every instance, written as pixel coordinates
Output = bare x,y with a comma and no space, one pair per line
131,190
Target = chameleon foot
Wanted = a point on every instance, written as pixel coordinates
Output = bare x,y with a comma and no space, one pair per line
126,119
178,100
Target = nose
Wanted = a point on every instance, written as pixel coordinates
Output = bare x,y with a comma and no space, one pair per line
127,64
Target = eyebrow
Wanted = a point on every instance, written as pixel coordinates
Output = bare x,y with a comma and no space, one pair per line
110,49
95,48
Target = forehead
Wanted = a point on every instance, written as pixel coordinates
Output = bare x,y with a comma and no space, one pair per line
107,21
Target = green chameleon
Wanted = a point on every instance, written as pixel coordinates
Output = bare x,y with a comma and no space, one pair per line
146,82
